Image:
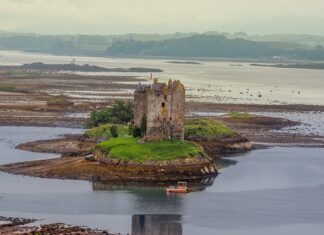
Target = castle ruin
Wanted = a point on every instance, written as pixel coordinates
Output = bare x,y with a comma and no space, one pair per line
162,107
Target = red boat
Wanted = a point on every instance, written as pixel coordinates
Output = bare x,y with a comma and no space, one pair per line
181,188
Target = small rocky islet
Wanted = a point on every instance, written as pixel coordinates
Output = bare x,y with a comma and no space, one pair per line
167,147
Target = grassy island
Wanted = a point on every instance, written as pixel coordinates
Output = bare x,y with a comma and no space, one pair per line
205,127
129,148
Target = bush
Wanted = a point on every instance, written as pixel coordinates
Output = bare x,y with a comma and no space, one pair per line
114,131
123,111
136,132
98,118
120,113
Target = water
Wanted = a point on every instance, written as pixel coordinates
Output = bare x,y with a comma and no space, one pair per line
212,81
272,191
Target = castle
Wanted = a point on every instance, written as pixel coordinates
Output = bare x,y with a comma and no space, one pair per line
162,107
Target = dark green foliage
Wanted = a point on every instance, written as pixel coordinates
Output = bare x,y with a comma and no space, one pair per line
121,113
130,129
214,46
136,132
114,131
177,45
100,117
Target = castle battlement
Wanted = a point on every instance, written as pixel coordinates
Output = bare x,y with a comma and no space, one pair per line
162,106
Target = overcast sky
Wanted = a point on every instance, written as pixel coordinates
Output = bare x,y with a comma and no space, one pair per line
162,16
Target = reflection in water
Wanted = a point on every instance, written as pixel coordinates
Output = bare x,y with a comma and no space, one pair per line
139,187
156,224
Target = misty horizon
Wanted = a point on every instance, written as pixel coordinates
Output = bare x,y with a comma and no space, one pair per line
99,17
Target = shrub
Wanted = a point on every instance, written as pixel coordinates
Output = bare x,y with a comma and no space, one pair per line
114,131
98,118
137,132
123,111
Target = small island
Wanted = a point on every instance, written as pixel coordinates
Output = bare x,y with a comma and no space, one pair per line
182,62
148,140
314,65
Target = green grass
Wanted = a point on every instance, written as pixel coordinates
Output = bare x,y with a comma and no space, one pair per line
104,131
205,127
239,115
128,148
6,88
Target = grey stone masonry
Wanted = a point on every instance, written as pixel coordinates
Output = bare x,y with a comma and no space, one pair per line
163,107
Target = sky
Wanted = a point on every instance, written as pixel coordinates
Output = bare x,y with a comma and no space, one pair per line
162,16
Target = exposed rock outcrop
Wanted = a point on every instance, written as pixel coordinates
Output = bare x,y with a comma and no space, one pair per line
215,147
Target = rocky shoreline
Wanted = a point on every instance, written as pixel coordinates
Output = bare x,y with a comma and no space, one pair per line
78,168
10,225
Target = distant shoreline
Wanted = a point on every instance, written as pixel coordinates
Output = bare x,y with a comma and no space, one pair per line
168,58
315,65
39,66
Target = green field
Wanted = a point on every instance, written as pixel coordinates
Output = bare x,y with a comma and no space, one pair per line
128,148
205,127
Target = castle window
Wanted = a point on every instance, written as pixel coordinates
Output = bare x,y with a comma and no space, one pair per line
165,97
170,118
163,105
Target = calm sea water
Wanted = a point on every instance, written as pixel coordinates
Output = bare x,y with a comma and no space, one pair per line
271,191
212,81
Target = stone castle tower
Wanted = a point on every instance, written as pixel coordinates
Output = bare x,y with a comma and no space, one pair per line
162,106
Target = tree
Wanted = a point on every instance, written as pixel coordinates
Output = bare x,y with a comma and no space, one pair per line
100,117
123,111
114,131
120,113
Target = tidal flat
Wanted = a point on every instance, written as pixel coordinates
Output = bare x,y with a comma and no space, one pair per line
276,188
